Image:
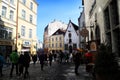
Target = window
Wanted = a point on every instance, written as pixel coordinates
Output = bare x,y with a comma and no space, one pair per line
31,18
23,14
74,46
23,31
5,33
66,46
52,39
12,1
52,45
30,33
69,35
56,45
107,19
60,39
31,5
70,40
24,2
56,38
11,15
4,11
60,45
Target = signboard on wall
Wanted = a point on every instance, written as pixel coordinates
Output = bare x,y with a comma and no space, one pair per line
26,43
84,32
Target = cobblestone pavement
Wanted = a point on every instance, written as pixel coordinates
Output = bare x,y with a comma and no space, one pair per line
63,71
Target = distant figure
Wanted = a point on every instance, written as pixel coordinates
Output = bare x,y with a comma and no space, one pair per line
66,57
50,58
77,58
26,63
61,56
34,58
14,59
21,63
2,61
55,56
42,59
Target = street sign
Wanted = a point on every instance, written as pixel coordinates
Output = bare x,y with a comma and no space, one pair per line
84,32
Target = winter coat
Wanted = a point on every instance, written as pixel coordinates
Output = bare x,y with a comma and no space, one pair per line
14,57
2,61
26,60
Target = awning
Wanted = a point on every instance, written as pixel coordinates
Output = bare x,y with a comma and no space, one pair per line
79,49
25,50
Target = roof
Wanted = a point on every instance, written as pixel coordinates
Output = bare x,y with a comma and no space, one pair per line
46,28
59,31
75,26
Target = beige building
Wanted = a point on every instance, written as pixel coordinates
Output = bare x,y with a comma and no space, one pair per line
19,17
49,30
56,42
27,18
103,19
7,26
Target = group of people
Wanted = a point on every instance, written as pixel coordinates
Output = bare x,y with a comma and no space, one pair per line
45,59
20,62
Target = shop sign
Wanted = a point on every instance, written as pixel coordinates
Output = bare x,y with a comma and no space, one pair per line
84,32
5,43
26,43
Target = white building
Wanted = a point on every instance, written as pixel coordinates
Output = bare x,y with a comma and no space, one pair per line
104,16
71,38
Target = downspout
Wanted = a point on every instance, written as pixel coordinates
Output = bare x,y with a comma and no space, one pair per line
17,25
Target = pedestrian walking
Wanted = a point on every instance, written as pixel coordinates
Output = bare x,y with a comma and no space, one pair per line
26,63
14,59
34,58
21,63
77,58
50,59
61,56
42,59
2,61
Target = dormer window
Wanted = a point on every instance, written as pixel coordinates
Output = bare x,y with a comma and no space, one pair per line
69,35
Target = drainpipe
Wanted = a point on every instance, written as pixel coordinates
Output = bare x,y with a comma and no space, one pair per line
17,24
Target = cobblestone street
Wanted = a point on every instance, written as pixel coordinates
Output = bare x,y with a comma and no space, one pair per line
63,71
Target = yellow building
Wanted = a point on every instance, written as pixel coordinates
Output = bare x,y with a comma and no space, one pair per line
7,26
57,41
26,26
18,25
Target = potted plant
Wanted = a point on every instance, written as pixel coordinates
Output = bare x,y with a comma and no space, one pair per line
106,64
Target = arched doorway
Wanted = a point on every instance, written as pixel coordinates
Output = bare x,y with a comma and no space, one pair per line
70,49
91,35
97,35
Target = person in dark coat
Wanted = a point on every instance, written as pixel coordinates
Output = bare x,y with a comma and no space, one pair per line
21,63
26,63
42,59
34,58
77,58
50,58
2,61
